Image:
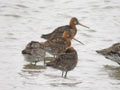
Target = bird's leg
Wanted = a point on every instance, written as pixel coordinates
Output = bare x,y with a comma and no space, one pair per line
119,63
65,74
62,73
54,56
35,63
44,62
31,63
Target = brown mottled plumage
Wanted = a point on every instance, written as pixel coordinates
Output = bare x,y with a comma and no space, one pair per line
112,53
65,61
71,29
57,45
33,52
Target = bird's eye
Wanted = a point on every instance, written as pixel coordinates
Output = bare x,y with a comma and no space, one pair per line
28,46
33,46
36,45
75,22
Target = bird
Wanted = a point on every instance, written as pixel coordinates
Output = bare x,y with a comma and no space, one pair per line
112,52
57,45
71,28
33,53
65,62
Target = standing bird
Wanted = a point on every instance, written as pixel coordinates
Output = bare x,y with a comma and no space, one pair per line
33,53
57,45
112,53
71,29
65,61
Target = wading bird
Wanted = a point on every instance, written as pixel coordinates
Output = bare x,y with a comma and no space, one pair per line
65,61
71,29
112,53
57,45
33,53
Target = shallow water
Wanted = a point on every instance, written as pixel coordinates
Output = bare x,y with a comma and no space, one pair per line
24,20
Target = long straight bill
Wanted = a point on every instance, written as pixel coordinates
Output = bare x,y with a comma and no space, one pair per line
78,41
84,25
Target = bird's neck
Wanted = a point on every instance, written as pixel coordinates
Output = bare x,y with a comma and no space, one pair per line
74,28
68,42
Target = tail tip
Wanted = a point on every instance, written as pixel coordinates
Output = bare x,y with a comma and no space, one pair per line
42,36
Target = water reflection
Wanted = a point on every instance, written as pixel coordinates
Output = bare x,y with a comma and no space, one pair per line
91,30
107,0
21,6
29,73
86,35
31,66
50,0
113,71
69,84
58,81
12,15
31,69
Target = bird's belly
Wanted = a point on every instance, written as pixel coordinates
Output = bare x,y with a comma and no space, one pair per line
31,58
114,57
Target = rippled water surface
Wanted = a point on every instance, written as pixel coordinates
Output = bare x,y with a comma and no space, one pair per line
24,20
